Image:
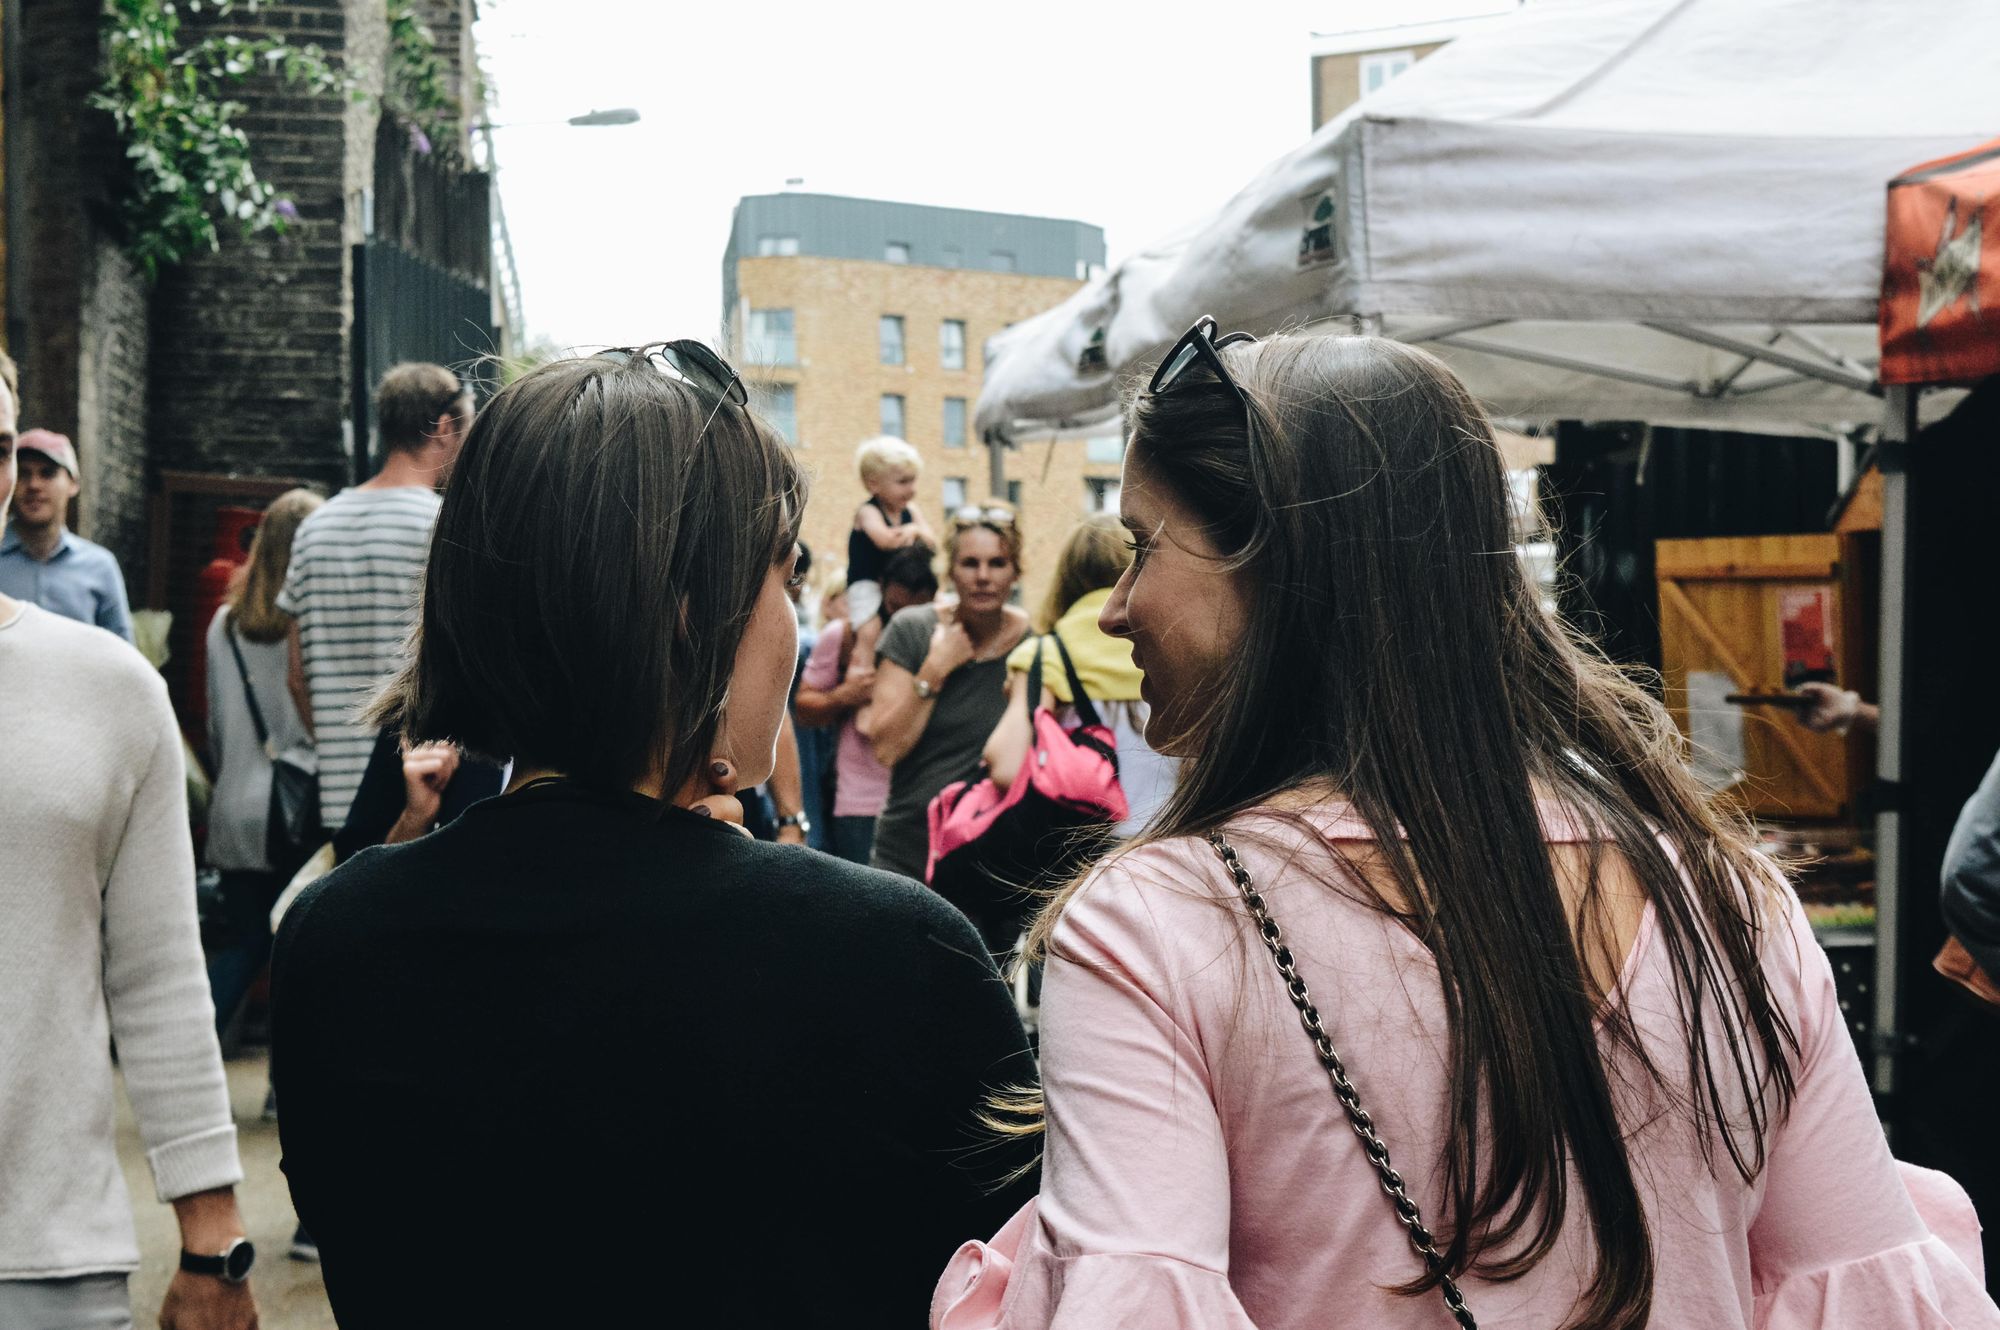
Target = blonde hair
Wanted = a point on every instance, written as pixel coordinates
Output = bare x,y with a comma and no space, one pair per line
880,455
1008,531
1094,557
253,598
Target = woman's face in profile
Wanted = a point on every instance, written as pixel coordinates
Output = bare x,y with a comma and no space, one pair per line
1182,611
761,682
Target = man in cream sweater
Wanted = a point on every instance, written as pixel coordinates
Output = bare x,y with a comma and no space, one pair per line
98,943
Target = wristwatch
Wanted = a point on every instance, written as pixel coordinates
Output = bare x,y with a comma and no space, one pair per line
924,689
231,1267
799,820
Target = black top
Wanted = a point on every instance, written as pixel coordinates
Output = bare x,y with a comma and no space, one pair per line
866,559
379,800
578,1060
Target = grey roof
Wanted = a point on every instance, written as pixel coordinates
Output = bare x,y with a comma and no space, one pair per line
835,227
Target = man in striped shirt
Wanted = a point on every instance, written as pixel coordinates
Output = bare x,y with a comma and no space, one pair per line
357,566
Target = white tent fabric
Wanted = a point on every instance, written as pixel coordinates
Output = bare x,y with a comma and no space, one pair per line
1659,209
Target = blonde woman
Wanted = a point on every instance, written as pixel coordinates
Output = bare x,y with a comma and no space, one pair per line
251,628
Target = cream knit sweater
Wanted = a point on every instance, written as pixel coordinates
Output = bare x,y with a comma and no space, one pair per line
98,942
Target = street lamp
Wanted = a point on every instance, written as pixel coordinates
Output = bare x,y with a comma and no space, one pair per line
510,275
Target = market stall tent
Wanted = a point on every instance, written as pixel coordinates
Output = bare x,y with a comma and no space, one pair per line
1667,210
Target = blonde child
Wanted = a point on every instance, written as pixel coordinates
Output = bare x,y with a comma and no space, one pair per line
887,522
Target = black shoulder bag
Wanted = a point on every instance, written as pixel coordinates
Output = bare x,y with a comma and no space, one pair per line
292,829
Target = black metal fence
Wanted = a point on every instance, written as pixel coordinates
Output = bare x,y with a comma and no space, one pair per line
407,308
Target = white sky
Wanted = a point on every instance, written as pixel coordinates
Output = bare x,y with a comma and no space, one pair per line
1138,117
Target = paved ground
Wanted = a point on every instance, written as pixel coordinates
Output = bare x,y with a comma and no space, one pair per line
289,1293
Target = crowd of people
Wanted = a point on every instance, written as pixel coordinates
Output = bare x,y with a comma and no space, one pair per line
558,1040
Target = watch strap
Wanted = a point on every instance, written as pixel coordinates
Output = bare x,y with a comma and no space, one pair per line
196,1264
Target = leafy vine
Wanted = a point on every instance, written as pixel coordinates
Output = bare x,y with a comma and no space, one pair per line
189,160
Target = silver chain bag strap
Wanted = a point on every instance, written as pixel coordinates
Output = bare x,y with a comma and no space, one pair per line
1407,1213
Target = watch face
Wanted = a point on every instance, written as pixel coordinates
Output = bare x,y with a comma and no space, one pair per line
236,1262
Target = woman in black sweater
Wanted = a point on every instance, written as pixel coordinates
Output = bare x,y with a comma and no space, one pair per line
589,1055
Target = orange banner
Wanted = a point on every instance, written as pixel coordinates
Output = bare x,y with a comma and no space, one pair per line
1940,318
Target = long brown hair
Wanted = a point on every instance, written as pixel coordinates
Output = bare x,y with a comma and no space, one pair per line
595,562
1397,653
253,598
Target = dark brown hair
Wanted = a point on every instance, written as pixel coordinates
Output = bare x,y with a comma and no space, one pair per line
1396,653
409,401
595,562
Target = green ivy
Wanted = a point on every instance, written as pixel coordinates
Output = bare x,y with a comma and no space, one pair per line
418,87
191,174
190,163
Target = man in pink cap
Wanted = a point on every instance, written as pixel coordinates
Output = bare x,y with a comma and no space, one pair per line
41,560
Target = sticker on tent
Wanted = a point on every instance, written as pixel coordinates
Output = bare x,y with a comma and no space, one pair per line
1316,237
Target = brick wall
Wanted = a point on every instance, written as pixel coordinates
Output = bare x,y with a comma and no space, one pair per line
250,344
113,338
77,323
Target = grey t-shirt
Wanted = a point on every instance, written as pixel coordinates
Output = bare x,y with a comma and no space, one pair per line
970,704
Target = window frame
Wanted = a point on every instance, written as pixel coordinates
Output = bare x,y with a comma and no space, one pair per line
945,361
756,342
883,325
964,422
890,248
902,415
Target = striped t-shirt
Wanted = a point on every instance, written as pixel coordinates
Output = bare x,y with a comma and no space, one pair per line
357,565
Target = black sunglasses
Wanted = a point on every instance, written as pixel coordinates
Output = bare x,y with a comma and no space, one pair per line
1199,346
693,364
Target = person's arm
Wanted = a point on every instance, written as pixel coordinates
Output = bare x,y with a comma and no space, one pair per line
114,611
295,675
876,527
787,784
156,995
1837,709
427,769
1969,894
822,698
1007,746
900,713
1836,1225
918,529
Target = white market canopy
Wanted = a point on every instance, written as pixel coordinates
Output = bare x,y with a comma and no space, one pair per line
1669,210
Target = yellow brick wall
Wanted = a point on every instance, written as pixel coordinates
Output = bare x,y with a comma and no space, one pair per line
836,305
1337,79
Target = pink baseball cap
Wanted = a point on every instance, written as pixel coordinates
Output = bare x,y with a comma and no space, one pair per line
56,447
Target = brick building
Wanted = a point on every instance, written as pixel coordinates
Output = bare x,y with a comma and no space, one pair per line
236,373
856,317
1350,62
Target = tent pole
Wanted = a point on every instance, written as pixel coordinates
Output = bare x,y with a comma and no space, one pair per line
1891,851
996,465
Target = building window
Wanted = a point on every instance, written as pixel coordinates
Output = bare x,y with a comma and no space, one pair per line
770,341
1379,67
889,336
954,257
785,246
896,251
892,415
1100,494
951,344
1104,448
778,404
953,494
1014,494
1002,261
954,422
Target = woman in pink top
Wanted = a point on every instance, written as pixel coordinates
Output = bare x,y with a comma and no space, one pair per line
1597,1041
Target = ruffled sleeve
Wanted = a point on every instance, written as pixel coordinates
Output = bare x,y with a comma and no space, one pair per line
1846,1236
1132,1226
1016,1281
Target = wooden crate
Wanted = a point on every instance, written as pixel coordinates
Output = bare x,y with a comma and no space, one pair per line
1722,608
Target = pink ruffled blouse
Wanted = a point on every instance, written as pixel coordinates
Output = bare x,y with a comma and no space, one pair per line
1199,1173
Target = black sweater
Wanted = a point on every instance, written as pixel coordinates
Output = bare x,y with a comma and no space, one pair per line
576,1060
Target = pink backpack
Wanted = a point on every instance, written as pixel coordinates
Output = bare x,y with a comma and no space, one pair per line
989,849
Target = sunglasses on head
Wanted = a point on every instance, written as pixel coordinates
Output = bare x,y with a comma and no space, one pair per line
693,364
1200,346
973,515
